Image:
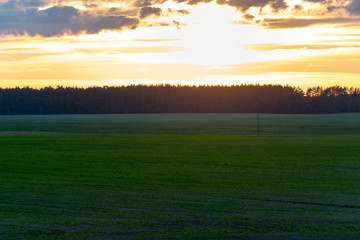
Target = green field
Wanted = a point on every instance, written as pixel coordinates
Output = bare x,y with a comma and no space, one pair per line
180,176
190,124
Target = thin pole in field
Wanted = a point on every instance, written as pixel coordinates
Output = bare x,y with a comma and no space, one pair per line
258,115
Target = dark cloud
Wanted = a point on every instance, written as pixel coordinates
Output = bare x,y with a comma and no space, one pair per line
354,7
316,1
90,5
59,17
57,21
177,24
8,5
248,17
115,12
148,11
244,5
25,17
57,14
298,7
194,2
181,11
143,3
332,8
8,19
12,4
148,3
279,5
299,23
156,24
94,25
33,3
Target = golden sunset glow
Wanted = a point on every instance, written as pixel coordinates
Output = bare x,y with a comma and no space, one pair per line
86,43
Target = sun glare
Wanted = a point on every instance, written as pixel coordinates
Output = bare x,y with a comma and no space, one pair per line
209,44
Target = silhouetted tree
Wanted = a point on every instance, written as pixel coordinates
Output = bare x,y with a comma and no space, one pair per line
178,99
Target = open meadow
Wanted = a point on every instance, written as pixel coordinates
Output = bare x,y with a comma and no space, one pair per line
180,176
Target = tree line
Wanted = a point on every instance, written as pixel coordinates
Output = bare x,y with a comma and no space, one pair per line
179,99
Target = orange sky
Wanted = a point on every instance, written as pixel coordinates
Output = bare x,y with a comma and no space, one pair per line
84,43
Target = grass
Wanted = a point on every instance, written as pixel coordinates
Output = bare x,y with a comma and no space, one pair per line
118,124
180,181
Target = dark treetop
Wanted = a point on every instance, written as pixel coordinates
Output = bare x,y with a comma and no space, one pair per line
179,99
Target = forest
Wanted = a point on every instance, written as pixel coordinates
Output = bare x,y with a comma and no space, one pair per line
178,99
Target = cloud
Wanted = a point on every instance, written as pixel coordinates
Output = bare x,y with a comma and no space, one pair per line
155,40
148,11
132,50
33,3
59,17
315,1
279,5
193,2
248,17
175,12
148,3
320,12
54,14
275,46
177,24
8,5
183,11
63,17
13,4
92,25
244,5
56,21
298,7
316,64
354,7
304,22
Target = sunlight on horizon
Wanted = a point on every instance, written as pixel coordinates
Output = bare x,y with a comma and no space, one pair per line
190,44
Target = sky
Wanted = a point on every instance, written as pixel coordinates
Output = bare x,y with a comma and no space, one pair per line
85,43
